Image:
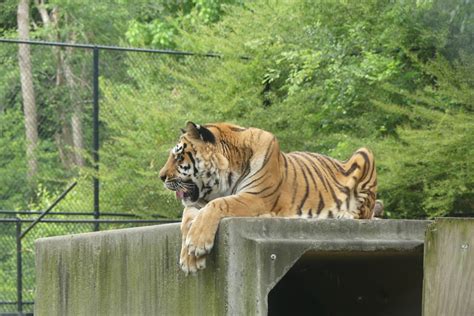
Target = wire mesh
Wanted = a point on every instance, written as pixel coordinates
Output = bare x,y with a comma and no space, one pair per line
9,270
8,267
44,122
47,142
151,83
47,126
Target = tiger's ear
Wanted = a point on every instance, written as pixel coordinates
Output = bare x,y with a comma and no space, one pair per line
199,132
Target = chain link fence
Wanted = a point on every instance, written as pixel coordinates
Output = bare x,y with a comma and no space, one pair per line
63,109
17,261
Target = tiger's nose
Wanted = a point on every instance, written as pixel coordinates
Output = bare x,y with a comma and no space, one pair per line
163,175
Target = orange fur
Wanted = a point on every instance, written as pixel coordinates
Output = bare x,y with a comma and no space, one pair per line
223,170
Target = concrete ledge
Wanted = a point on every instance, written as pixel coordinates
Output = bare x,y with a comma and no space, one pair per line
135,271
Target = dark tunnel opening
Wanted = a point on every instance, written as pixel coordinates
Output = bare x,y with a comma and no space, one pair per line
355,283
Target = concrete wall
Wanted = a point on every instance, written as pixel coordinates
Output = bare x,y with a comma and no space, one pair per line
135,271
448,288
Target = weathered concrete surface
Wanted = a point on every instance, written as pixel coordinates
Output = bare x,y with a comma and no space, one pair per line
135,271
448,287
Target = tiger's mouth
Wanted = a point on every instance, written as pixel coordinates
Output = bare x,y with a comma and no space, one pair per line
184,190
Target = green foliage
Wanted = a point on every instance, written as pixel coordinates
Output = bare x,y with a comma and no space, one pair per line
131,156
431,174
326,77
428,172
319,85
98,22
327,86
159,27
8,264
7,16
155,34
12,161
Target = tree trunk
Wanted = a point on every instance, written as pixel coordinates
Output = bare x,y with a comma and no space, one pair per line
27,90
64,71
76,118
76,122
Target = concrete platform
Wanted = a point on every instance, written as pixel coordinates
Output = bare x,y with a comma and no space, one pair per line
259,266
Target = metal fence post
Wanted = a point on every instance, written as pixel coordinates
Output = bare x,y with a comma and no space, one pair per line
19,271
95,150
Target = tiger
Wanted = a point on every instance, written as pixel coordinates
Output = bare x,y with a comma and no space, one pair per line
223,170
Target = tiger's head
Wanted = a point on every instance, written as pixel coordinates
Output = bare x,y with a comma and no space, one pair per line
194,165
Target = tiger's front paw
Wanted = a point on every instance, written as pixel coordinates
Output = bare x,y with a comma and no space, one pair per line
200,238
191,263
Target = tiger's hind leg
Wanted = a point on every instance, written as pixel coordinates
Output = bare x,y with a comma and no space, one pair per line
346,215
366,194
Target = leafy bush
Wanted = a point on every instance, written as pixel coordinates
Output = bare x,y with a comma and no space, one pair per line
326,77
322,85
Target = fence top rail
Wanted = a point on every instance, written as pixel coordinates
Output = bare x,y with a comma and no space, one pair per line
35,212
107,47
91,221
